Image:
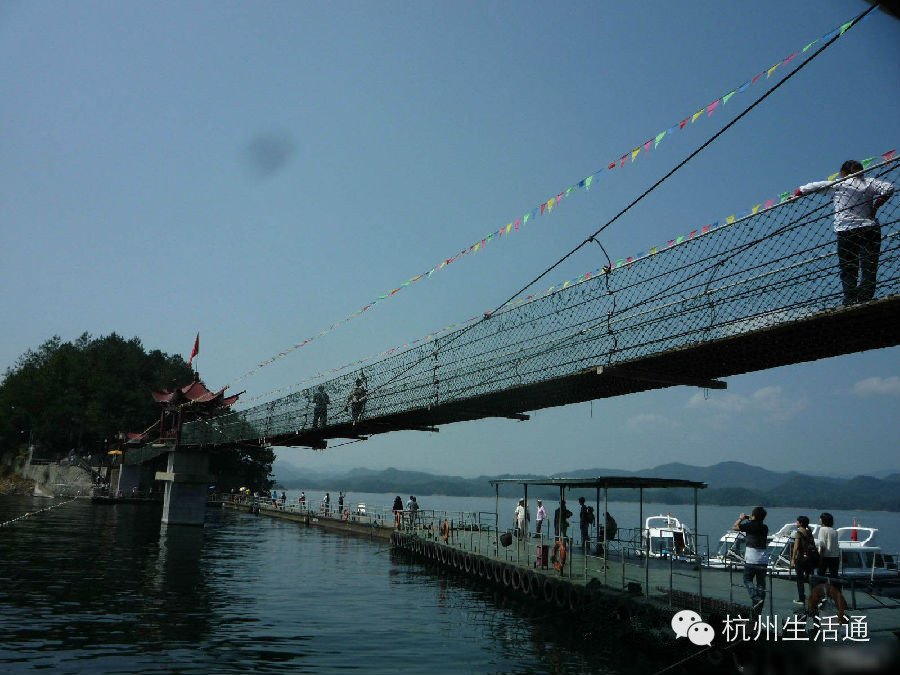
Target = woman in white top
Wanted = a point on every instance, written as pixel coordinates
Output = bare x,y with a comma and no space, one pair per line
829,550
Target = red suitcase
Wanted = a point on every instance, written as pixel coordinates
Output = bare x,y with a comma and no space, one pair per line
543,556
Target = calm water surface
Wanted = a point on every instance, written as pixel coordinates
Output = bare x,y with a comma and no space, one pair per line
106,589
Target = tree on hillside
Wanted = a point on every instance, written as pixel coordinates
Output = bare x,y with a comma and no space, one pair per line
67,396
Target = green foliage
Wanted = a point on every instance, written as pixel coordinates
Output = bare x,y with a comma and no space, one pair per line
74,395
244,466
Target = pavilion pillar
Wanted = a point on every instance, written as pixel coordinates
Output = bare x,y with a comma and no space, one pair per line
186,478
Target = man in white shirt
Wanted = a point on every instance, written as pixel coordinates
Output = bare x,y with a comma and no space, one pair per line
856,199
521,527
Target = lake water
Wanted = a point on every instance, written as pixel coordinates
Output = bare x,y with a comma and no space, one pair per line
106,589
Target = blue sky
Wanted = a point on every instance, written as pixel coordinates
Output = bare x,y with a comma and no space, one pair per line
257,171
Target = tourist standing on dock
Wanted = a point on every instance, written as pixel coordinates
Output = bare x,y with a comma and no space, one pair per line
412,506
326,503
398,511
302,499
858,232
320,407
521,529
829,550
561,519
804,557
756,533
539,517
584,523
341,502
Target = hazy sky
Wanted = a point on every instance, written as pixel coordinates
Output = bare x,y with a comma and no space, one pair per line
256,171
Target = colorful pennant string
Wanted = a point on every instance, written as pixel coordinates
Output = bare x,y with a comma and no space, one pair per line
621,262
546,207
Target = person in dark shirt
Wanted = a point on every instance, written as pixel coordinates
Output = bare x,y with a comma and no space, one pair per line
320,411
756,533
584,522
561,524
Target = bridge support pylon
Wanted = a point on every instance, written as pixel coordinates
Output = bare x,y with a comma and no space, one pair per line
186,477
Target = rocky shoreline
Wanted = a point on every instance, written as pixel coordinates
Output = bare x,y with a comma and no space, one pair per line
13,484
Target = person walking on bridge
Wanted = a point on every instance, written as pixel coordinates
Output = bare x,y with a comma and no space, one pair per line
357,399
320,409
856,199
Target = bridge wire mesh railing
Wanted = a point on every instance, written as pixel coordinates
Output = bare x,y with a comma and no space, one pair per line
773,267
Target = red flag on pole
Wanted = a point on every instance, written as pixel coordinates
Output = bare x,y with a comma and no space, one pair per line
196,349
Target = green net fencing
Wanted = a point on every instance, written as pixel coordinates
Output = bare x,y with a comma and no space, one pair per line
773,267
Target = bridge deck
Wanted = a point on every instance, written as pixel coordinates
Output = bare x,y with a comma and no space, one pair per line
758,292
834,332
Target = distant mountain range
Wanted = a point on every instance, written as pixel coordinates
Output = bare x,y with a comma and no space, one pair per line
729,484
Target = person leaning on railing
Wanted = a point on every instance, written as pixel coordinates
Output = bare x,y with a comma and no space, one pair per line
856,199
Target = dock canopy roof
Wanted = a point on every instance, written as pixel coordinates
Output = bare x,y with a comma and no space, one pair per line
605,482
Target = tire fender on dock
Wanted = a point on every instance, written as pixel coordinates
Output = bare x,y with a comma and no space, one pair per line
497,572
560,596
575,598
506,576
548,589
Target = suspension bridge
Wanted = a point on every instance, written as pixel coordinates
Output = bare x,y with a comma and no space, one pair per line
757,293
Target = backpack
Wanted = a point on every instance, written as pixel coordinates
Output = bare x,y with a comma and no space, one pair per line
808,555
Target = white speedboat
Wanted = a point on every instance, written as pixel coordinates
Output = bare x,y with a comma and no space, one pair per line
861,558
666,536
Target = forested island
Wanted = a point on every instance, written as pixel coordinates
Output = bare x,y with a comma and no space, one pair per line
76,398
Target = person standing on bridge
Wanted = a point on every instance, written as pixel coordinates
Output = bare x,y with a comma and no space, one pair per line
320,409
856,199
357,399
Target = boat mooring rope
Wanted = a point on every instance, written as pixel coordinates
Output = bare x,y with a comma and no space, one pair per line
34,513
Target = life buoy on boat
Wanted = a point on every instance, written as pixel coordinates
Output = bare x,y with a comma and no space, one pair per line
559,556
819,593
445,531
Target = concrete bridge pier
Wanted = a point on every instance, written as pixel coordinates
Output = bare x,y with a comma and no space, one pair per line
187,478
129,478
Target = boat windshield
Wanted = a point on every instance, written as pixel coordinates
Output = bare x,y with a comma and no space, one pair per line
732,549
780,553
